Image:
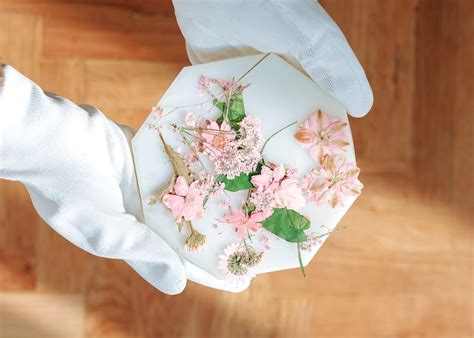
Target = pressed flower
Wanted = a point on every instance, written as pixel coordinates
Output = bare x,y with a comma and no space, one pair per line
233,155
186,201
195,241
333,181
322,134
216,137
190,119
244,222
289,195
274,189
158,111
238,262
206,86
312,242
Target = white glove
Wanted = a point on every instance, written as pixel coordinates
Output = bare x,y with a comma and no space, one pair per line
299,30
77,165
78,169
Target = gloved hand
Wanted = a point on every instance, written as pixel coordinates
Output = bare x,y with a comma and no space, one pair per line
299,30
77,165
78,169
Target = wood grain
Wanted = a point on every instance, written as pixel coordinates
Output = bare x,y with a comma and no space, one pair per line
404,267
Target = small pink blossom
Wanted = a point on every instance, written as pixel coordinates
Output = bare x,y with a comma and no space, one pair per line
243,222
190,119
265,241
269,179
158,111
189,158
274,189
186,202
216,137
207,85
323,135
333,181
241,155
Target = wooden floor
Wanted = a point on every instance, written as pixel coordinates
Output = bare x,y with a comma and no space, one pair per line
404,268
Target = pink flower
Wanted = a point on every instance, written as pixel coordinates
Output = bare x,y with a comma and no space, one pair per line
274,189
333,181
190,119
323,135
207,85
244,222
289,195
216,137
186,202
268,179
158,111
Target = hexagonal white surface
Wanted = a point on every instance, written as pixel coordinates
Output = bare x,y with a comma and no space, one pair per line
278,95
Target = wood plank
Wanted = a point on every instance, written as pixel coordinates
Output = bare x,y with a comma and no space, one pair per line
108,300
385,46
26,315
21,44
444,90
107,29
126,90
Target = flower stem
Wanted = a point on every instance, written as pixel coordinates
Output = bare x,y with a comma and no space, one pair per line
255,65
275,133
300,260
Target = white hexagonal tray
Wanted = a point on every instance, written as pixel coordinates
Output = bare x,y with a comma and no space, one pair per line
278,95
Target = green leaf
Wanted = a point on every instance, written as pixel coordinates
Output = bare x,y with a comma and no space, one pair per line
241,182
287,224
233,114
237,183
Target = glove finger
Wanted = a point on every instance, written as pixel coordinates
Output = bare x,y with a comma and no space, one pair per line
118,236
300,31
332,64
202,277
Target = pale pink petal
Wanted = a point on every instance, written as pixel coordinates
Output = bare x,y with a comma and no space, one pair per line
181,187
175,204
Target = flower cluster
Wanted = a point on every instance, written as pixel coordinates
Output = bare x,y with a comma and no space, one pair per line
245,222
231,144
276,188
242,154
335,179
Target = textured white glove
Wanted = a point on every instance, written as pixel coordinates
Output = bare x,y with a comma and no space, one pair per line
299,30
78,169
77,165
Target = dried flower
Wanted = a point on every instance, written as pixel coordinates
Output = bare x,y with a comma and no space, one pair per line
216,138
190,119
244,222
250,133
157,111
322,134
206,85
333,181
238,263
274,189
186,201
312,242
241,155
289,195
195,241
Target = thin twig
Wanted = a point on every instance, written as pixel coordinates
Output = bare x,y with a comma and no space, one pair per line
275,133
255,65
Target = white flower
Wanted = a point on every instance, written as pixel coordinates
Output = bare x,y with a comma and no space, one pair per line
239,264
